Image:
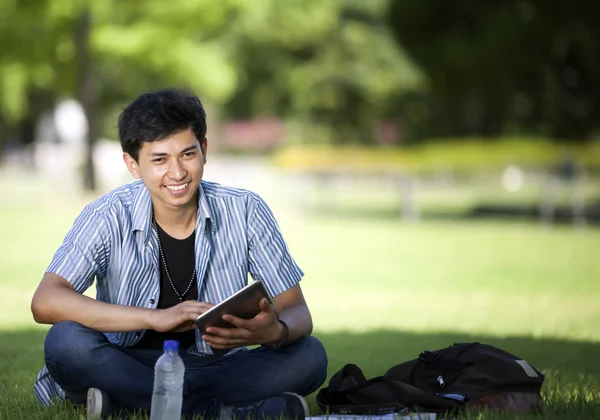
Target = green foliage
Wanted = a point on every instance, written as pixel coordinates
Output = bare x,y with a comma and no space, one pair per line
134,48
342,66
332,63
37,52
172,45
497,67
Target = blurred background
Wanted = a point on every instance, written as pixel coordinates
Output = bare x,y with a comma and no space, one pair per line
379,107
434,165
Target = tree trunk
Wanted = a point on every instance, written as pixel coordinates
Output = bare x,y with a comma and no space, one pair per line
87,94
38,101
27,128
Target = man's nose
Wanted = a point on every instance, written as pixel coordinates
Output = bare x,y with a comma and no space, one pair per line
177,170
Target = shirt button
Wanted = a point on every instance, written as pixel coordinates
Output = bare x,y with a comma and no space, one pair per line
138,333
152,301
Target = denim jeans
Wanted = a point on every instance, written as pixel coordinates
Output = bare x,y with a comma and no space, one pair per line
79,358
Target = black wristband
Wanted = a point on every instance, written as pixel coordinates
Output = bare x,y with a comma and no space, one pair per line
286,334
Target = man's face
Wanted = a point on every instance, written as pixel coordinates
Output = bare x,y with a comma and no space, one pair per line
171,169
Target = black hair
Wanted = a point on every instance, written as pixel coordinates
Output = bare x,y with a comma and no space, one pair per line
157,115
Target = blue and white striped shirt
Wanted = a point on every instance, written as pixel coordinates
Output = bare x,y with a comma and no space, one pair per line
112,241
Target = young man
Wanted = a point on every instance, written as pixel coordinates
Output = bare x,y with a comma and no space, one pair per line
163,250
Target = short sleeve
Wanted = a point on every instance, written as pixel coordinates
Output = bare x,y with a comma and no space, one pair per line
269,256
84,251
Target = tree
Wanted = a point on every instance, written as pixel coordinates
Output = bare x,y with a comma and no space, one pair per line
104,53
505,66
331,63
35,63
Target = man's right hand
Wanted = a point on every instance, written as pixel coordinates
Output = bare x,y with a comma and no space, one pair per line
178,318
56,300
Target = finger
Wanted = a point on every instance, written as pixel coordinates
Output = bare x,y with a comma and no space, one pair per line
192,321
213,340
182,321
224,341
229,333
226,346
186,326
179,319
190,316
201,306
238,322
266,306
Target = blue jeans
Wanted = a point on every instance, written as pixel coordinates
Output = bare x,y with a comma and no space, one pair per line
79,358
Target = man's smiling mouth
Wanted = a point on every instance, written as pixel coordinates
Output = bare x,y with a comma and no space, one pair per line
177,187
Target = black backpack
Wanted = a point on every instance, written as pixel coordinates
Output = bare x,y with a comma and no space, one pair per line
453,379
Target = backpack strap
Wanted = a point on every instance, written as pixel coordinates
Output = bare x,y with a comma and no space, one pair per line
378,395
436,360
347,377
445,363
343,394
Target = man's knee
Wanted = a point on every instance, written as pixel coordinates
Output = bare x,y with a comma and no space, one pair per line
66,343
314,358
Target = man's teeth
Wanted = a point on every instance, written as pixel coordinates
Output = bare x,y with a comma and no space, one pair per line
177,187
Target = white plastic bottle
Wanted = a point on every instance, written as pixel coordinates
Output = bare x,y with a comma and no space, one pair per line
167,396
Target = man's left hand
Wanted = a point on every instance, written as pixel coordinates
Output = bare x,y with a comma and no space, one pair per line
264,328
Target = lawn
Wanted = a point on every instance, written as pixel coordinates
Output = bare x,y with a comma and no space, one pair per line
380,291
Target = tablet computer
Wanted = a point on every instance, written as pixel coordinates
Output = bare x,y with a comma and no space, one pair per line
245,304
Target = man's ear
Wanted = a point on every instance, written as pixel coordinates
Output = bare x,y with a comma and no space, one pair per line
132,165
204,147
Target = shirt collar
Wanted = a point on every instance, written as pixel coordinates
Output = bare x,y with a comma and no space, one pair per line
204,213
141,211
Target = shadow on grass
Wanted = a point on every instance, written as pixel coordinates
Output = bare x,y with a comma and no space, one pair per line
570,366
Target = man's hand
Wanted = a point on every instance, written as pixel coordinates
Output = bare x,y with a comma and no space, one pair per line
262,329
178,318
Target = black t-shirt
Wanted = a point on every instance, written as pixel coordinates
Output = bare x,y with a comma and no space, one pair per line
180,260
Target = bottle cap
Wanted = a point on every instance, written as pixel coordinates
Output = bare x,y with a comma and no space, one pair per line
171,345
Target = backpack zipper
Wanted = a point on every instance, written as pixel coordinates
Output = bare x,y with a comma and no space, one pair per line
441,381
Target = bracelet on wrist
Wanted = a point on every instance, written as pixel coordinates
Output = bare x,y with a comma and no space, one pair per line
286,334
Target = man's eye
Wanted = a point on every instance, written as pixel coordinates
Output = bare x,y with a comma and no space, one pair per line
188,154
158,160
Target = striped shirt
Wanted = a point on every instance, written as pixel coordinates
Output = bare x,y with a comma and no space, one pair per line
112,242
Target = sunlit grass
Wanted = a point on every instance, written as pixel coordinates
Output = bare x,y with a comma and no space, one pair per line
380,291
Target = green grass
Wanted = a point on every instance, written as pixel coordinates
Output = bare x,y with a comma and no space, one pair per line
380,292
